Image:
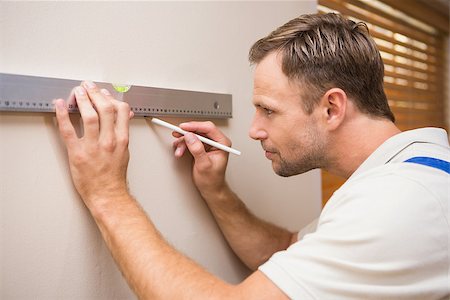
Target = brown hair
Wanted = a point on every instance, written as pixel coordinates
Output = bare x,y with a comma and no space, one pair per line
326,51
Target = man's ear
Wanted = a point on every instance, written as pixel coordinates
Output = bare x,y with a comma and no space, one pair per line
334,103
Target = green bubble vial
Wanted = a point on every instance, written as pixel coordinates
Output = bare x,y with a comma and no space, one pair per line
121,88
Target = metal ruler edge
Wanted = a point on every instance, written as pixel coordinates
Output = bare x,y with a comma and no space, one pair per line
25,93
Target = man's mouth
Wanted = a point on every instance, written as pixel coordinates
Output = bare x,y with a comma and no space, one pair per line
269,154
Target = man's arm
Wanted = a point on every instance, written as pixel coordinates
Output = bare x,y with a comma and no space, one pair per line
155,270
253,240
98,163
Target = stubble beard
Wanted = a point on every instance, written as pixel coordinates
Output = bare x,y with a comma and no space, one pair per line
302,165
303,158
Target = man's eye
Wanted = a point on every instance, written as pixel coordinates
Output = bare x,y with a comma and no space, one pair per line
268,111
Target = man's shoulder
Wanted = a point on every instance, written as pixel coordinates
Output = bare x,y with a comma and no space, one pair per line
392,189
397,177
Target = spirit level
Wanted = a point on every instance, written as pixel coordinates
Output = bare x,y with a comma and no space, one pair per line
23,93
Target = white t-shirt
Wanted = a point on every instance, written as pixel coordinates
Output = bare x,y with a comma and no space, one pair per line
383,235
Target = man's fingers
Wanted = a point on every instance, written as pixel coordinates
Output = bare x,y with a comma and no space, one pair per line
197,150
176,134
66,129
105,109
88,113
179,144
207,129
123,116
180,147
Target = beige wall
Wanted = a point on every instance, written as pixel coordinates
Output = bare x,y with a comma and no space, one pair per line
50,247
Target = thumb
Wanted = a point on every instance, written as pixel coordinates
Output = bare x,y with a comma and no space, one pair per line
197,150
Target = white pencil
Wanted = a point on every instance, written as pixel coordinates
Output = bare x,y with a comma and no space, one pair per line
201,138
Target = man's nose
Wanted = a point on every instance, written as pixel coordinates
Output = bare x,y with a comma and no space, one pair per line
256,131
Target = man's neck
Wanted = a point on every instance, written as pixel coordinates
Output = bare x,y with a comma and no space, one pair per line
356,141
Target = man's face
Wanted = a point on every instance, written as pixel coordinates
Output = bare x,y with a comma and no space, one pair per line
291,139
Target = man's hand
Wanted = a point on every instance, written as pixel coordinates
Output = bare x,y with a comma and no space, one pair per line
99,159
209,163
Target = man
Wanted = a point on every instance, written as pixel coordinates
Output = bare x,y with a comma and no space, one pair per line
319,103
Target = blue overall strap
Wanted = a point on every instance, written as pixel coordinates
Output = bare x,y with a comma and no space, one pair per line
431,162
